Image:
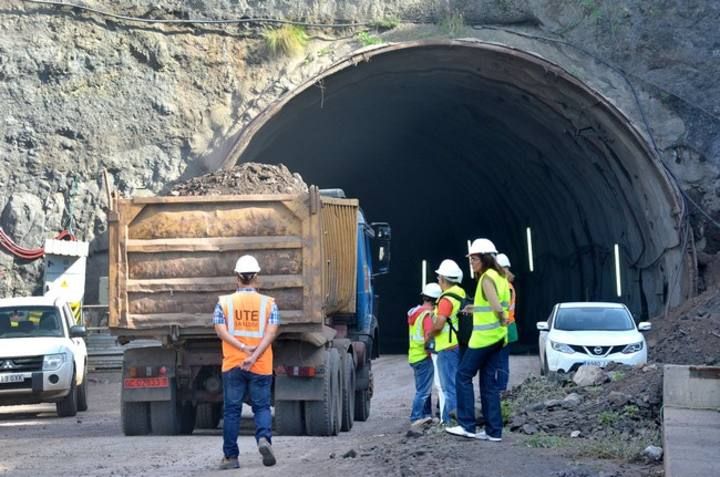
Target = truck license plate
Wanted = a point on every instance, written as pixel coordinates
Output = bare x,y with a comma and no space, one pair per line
11,378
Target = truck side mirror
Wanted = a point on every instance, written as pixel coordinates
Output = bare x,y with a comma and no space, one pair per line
78,331
381,247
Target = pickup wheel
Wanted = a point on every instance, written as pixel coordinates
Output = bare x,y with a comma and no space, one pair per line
348,394
82,404
68,406
207,415
289,418
135,418
322,417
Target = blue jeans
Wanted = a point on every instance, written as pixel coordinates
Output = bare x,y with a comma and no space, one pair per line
447,362
486,361
502,373
236,383
423,387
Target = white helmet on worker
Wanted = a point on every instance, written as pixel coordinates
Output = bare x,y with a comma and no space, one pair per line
432,290
246,265
503,260
449,270
482,246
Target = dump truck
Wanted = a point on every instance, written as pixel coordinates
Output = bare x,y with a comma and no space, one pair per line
170,258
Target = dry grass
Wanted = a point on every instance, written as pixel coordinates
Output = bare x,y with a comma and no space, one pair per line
288,40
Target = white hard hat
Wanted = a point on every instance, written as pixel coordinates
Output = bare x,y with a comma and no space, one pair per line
482,246
450,270
503,260
247,264
432,290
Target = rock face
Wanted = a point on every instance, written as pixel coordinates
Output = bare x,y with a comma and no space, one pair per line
159,103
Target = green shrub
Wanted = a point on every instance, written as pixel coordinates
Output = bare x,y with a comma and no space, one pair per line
366,39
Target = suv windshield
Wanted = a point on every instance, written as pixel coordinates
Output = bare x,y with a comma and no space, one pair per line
30,321
593,319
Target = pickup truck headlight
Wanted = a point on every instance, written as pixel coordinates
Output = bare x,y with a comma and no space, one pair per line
633,348
562,347
52,362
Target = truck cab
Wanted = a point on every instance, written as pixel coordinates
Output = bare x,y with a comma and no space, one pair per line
43,357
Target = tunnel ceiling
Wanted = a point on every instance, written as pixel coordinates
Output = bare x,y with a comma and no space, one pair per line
451,141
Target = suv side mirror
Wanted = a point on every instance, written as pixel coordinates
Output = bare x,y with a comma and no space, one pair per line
644,326
78,331
542,325
381,247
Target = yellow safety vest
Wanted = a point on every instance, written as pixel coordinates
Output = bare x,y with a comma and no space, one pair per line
416,350
443,340
487,329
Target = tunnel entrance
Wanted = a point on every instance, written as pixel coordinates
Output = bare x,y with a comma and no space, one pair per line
450,141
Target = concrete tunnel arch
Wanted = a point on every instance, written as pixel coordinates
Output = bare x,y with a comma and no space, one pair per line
453,140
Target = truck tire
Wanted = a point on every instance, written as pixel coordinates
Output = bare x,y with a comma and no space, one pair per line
363,396
186,417
348,394
68,406
289,419
322,417
135,418
207,415
82,404
164,418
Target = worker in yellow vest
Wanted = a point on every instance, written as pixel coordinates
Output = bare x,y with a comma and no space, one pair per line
420,325
503,372
483,352
247,323
450,276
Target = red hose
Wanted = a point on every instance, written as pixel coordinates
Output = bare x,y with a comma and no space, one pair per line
29,254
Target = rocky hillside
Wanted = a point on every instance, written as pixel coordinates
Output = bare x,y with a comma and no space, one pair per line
155,103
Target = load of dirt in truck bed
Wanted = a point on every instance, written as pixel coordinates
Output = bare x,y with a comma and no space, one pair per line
690,334
605,413
246,178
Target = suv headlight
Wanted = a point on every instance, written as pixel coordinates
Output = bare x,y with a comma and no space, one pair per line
52,362
562,347
633,348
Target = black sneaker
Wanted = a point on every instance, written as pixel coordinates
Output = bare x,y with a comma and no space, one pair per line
266,451
229,463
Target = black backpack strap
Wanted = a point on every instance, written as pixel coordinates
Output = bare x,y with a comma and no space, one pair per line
449,321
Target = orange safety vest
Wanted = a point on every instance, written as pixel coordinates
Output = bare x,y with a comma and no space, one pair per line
246,316
511,308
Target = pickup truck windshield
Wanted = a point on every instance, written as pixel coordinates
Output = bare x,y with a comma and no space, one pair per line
593,319
30,321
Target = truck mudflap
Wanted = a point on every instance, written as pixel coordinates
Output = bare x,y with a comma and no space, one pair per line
148,374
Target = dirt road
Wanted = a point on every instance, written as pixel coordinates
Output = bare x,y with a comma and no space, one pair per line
35,442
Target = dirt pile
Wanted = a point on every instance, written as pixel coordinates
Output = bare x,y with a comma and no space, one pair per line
616,419
690,334
246,178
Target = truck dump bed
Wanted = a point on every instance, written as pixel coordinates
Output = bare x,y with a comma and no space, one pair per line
171,257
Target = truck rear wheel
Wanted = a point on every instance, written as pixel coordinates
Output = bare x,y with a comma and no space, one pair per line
289,419
348,394
68,406
164,418
362,398
135,418
186,416
207,415
322,417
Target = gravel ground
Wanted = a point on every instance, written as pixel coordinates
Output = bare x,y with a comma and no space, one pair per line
34,442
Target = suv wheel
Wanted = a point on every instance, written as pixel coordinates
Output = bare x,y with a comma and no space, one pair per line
68,407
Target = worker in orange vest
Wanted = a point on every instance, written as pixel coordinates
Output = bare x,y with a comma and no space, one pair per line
247,323
503,372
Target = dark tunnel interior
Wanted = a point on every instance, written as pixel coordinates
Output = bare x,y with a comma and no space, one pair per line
450,143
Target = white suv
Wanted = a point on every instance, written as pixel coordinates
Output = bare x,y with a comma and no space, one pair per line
590,333
43,357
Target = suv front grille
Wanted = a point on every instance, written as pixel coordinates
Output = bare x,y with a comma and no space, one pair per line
597,350
21,365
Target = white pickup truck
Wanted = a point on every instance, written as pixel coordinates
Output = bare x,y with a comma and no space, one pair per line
43,357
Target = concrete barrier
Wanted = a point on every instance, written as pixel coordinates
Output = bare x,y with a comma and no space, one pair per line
691,387
691,421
